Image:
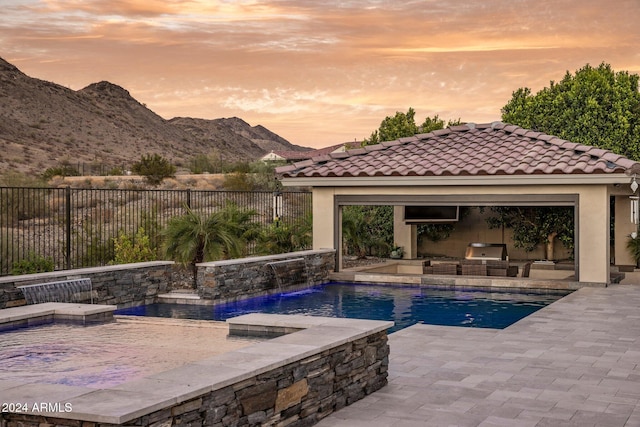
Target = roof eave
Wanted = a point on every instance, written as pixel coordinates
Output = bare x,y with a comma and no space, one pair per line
466,180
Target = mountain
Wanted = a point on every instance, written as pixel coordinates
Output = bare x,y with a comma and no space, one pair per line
43,124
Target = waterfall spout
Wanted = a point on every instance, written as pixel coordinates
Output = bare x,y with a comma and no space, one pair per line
290,273
74,290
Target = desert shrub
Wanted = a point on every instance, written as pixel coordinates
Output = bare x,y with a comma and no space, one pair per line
238,181
154,168
203,163
116,171
128,249
33,263
62,170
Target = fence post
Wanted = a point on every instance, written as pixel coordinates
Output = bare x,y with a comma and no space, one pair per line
189,198
67,213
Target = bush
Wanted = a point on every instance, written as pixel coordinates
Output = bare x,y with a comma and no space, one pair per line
33,263
238,181
154,168
136,249
63,170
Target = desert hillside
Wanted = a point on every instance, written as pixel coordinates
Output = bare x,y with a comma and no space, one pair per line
43,124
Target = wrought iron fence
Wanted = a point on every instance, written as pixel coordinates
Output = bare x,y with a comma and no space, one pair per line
75,228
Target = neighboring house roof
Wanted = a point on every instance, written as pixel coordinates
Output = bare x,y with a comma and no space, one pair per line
466,150
304,155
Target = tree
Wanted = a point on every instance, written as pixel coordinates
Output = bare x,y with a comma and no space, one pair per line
404,124
596,107
536,225
154,168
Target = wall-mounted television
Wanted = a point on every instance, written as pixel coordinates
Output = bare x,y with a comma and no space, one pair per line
422,214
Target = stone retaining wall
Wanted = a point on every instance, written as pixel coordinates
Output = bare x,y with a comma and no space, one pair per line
123,285
320,371
238,278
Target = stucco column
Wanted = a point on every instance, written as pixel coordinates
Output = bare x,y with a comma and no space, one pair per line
404,235
623,227
324,223
593,229
323,219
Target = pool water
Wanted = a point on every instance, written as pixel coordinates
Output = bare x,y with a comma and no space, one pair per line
109,354
405,305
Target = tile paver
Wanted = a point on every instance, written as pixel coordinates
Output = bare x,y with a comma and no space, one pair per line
573,363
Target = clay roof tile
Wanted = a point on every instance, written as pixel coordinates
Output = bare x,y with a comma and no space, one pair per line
471,149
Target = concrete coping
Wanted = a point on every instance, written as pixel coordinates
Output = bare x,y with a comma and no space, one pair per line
265,258
54,309
125,402
79,272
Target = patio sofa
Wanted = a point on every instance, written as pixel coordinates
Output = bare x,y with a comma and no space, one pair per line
472,267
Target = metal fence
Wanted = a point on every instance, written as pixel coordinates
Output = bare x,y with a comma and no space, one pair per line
75,227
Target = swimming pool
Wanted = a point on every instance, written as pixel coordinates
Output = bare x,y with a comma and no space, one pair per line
405,305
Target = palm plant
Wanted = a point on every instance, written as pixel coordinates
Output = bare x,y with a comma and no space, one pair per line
281,237
195,237
240,222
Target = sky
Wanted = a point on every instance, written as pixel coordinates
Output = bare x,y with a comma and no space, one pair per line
319,72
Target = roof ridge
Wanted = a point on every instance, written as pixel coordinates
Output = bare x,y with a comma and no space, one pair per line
487,148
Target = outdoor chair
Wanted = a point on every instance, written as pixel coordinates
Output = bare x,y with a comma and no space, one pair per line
473,269
526,269
445,268
501,268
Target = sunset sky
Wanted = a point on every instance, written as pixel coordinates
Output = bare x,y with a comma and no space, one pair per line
317,72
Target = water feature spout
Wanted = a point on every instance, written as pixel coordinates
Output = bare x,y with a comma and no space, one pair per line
290,272
73,290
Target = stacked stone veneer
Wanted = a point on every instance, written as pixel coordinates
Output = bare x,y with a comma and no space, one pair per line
294,380
123,285
239,278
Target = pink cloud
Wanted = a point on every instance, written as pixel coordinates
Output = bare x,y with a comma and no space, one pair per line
318,72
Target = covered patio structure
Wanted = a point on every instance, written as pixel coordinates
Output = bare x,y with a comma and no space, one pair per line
492,164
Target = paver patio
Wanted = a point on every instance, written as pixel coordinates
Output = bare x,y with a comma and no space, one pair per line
573,363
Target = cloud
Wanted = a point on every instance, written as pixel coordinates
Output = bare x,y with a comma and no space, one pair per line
333,67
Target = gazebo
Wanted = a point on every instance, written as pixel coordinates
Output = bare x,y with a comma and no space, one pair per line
494,164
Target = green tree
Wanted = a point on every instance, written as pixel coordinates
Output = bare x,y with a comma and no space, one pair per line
404,124
596,106
533,226
154,168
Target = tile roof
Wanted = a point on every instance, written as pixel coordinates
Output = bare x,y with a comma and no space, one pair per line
466,150
309,154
